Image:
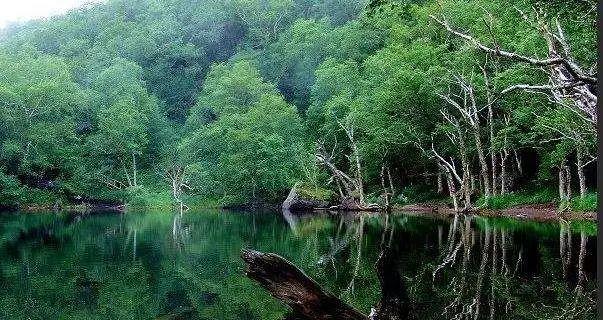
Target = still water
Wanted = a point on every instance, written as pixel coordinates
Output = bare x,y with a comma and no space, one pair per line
163,265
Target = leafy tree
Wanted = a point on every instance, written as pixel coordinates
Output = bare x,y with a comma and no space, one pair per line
249,151
38,103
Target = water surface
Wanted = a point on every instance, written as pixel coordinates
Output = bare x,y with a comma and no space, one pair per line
163,265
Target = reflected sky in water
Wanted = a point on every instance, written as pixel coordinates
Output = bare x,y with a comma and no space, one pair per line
164,265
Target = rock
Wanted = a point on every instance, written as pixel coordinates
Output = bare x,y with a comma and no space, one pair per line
301,201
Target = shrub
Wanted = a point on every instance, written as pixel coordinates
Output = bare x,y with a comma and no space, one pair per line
587,204
142,198
417,194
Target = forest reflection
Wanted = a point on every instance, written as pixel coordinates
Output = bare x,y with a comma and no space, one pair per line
506,264
187,265
478,268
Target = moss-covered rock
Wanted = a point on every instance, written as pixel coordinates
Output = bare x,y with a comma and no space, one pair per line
304,198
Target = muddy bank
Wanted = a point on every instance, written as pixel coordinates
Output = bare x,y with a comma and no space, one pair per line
539,212
95,207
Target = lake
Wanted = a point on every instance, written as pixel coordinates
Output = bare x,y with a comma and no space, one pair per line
164,265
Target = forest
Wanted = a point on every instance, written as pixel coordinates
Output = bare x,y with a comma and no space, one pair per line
232,103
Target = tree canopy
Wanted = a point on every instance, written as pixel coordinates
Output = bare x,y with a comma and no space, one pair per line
236,101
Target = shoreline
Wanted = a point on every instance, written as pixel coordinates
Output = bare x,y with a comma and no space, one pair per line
79,208
541,212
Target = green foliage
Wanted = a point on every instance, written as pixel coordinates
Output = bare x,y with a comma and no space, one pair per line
590,228
248,153
141,198
104,101
314,192
511,199
10,190
587,204
229,89
420,193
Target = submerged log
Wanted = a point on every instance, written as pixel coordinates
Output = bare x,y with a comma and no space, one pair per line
308,300
287,283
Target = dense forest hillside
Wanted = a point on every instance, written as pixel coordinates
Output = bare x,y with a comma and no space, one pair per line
233,102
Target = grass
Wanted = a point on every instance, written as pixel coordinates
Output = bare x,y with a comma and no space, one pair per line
144,198
512,199
543,196
419,194
590,228
200,202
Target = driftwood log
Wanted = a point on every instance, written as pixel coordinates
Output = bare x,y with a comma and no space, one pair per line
308,300
287,283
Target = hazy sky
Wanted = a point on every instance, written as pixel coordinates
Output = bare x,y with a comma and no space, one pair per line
23,10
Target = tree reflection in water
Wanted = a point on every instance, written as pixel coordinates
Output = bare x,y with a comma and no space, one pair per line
482,284
482,270
148,265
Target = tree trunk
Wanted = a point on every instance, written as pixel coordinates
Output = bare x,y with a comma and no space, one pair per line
482,162
495,178
466,174
581,177
134,169
289,284
126,172
494,160
568,182
386,193
518,162
391,183
494,272
440,235
358,174
440,183
503,172
504,267
581,275
564,254
562,184
349,131
452,191
482,273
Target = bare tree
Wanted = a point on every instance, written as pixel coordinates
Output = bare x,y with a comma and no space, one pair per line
567,79
176,176
351,186
466,105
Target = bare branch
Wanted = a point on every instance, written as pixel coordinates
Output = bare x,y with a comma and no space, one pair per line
572,67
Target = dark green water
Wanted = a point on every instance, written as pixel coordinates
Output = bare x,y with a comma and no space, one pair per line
163,265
